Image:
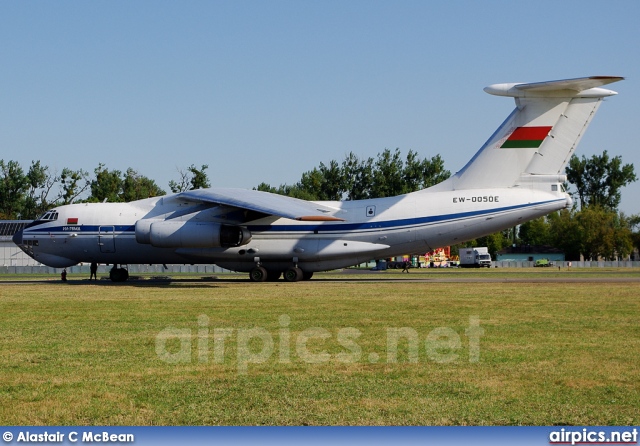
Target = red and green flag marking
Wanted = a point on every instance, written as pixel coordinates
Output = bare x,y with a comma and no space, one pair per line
526,138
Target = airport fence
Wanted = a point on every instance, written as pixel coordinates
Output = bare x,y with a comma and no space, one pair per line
567,264
214,269
104,269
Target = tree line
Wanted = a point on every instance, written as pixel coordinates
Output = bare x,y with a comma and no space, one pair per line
358,178
27,194
593,228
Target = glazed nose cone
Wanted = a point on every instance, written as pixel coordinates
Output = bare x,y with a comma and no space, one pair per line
17,237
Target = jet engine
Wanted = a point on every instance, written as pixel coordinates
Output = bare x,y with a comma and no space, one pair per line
190,234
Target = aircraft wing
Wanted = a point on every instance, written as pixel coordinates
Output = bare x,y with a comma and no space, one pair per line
264,202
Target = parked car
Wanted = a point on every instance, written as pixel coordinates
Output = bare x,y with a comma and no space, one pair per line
543,262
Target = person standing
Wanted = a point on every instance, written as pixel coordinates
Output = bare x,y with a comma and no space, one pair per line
94,271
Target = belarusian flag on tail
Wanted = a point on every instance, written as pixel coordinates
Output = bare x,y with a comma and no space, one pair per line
526,138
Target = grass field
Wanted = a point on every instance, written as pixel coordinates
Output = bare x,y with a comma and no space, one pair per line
322,352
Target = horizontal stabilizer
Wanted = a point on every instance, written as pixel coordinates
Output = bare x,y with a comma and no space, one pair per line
579,87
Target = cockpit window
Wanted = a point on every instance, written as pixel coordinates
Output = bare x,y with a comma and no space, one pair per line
49,216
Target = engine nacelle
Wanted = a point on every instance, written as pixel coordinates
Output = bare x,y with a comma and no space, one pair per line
190,234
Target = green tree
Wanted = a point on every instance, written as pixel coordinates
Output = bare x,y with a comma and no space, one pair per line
494,243
291,191
199,178
594,232
624,237
72,183
333,185
388,175
420,174
39,183
497,241
107,185
634,224
535,232
266,187
604,233
13,186
192,178
312,182
356,179
598,180
29,195
137,187
566,233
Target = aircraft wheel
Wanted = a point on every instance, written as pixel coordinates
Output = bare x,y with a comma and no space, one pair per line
258,274
273,276
293,274
307,275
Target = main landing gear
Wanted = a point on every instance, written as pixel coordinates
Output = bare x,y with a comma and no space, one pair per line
292,274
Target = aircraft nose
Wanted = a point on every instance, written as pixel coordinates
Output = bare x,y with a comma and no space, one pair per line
17,237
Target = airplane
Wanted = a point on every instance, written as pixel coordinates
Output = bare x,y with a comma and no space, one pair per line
516,176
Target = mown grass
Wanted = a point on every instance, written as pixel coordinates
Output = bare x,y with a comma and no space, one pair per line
84,353
450,274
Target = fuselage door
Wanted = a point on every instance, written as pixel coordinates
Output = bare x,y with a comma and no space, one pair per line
106,239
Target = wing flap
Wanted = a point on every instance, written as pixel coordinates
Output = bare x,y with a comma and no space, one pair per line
264,202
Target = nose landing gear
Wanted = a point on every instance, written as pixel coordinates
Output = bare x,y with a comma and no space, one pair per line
118,274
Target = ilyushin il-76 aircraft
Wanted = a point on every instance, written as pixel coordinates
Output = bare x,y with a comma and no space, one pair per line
516,176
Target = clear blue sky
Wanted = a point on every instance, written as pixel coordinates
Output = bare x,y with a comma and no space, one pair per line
265,90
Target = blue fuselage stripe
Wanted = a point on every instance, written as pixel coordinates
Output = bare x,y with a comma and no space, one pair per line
388,224
324,227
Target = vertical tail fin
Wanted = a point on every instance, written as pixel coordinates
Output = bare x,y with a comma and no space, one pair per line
538,137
